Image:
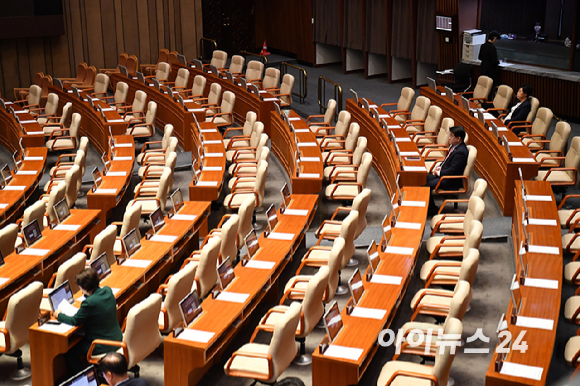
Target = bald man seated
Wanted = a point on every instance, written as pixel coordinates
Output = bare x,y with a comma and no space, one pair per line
113,368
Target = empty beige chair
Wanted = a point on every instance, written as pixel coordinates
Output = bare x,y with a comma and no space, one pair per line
61,167
238,196
196,90
340,129
119,98
162,73
284,93
479,190
151,175
219,59
409,373
8,236
446,272
99,89
254,71
557,146
206,274
312,311
263,362
434,146
149,203
181,80
271,79
331,228
56,194
71,180
164,143
327,117
55,123
144,127
58,173
481,90
228,235
455,223
58,141
567,175
347,190
465,178
33,99
21,313
104,243
258,140
341,163
22,92
141,322
223,115
177,288
163,57
237,65
67,271
245,181
49,111
246,213
130,221
243,139
430,126
572,352
453,247
538,130
418,114
338,141
137,109
502,99
159,156
36,212
211,102
251,165
402,109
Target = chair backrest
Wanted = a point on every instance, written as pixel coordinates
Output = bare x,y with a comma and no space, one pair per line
165,184
132,65
543,121
461,297
163,55
479,188
406,99
474,235
237,64
433,120
71,178
69,269
352,136
559,139
330,110
475,210
66,113
215,92
444,358
171,146
535,106
573,157
172,57
47,81
483,87
75,125
251,117
81,68
245,212
34,95
261,181
182,77
254,70
286,88
503,97
167,135
364,169
198,87
219,59
262,144
21,313
90,76
121,91
84,146
471,157
229,234
282,347
56,194
131,220
469,267
360,204
51,104
421,108
35,212
38,77
104,243
8,236
163,71
360,149
228,102
342,124
264,154
462,74
139,103
123,59
80,160
271,78
256,134
151,113
177,288
206,274
443,135
312,305
142,322
335,260
347,231
101,83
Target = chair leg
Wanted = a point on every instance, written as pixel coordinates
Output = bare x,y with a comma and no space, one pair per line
20,373
135,370
255,224
341,289
302,359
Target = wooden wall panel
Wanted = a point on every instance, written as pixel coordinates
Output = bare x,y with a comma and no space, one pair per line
96,32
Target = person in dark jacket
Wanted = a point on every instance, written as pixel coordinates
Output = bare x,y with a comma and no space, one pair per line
113,367
488,56
98,315
453,165
520,111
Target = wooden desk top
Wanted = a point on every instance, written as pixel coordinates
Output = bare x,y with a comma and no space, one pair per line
214,145
536,302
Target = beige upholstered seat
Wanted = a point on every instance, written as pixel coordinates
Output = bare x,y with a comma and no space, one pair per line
340,129
141,322
572,350
163,72
242,140
21,313
444,272
502,99
211,102
284,94
8,236
167,135
197,89
137,109
58,172
206,275
556,148
572,309
326,118
99,89
346,190
33,99
271,79
482,89
36,212
104,243
429,126
538,130
55,123
567,175
176,288
254,71
409,373
67,271
56,194
418,114
49,110
338,150
71,182
181,80
455,223
466,177
337,140
149,202
266,362
130,221
479,190
257,141
219,59
433,146
61,167
247,181
157,156
144,127
119,98
59,140
403,105
340,163
237,65
223,115
331,228
246,213
238,196
250,166
21,93
452,246
228,234
153,170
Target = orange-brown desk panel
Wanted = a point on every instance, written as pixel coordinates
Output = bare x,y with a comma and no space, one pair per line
213,164
17,126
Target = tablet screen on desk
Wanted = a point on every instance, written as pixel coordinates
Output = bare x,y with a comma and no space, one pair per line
62,211
123,70
57,82
131,242
465,103
1,259
157,219
356,287
252,245
176,200
87,377
6,174
449,94
243,83
354,96
432,84
156,84
60,293
226,273
190,307
140,77
106,162
286,199
366,105
32,233
272,218
332,322
101,265
373,256
213,69
96,174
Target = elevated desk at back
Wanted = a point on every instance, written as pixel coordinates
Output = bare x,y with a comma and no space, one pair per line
208,167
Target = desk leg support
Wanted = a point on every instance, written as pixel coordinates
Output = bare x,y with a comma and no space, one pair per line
46,357
332,372
183,366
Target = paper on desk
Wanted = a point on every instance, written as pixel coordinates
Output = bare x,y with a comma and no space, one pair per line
262,92
29,121
488,116
544,249
373,107
21,111
105,191
3,206
233,297
541,283
522,371
386,279
530,160
184,217
309,175
542,221
67,308
116,121
67,227
515,143
402,139
399,250
408,225
370,313
270,99
296,212
3,280
393,126
212,168
257,264
136,263
123,145
196,110
115,290
33,158
544,324
163,238
14,187
108,109
26,172
341,352
414,168
281,236
212,142
116,174
531,197
384,115
196,335
310,159
35,132
419,204
61,328
127,158
302,130
307,144
208,131
207,183
409,154
292,119
35,252
214,155
504,64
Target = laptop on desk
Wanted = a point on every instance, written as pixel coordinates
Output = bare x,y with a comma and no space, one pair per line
225,274
131,243
32,233
190,308
333,322
157,220
87,377
62,210
62,293
101,265
356,287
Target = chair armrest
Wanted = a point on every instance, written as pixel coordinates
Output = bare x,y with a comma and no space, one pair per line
405,373
106,342
6,334
460,191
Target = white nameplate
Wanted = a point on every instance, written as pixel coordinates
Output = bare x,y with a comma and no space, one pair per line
399,250
408,225
163,238
419,204
488,116
207,183
310,159
307,144
26,172
296,212
61,328
543,324
187,100
197,110
409,154
541,283
35,252
292,119
136,263
262,91
544,249
530,197
21,111
515,144
386,279
233,297
402,139
196,335
116,174
309,175
3,206
341,352
123,145
281,236
523,160
106,191
213,142
3,280
33,158
542,221
184,217
257,264
35,132
302,130
208,131
522,371
414,168
384,115
27,122
270,99
212,169
116,121
214,155
369,313
108,109
67,227
393,126
373,107
15,187
129,158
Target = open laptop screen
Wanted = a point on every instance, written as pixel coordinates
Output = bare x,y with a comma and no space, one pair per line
131,242
87,377
101,265
61,293
190,307
157,220
432,84
332,322
252,244
272,218
356,287
373,256
32,233
226,273
62,211
176,200
286,199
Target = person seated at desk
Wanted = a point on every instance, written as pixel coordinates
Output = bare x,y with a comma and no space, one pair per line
98,315
453,165
520,111
113,367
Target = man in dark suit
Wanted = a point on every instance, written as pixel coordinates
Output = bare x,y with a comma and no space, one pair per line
113,367
520,111
488,56
453,165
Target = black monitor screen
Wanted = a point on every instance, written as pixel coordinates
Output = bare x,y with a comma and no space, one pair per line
32,233
131,242
226,273
190,307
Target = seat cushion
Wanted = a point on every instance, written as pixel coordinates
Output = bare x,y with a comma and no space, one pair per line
570,269
572,347
237,200
527,141
555,176
451,227
246,183
329,228
2,340
243,156
330,171
238,143
147,206
247,364
572,304
435,240
429,264
438,297
319,256
251,168
336,158
139,131
566,240
541,156
65,143
342,191
393,366
300,285
564,215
